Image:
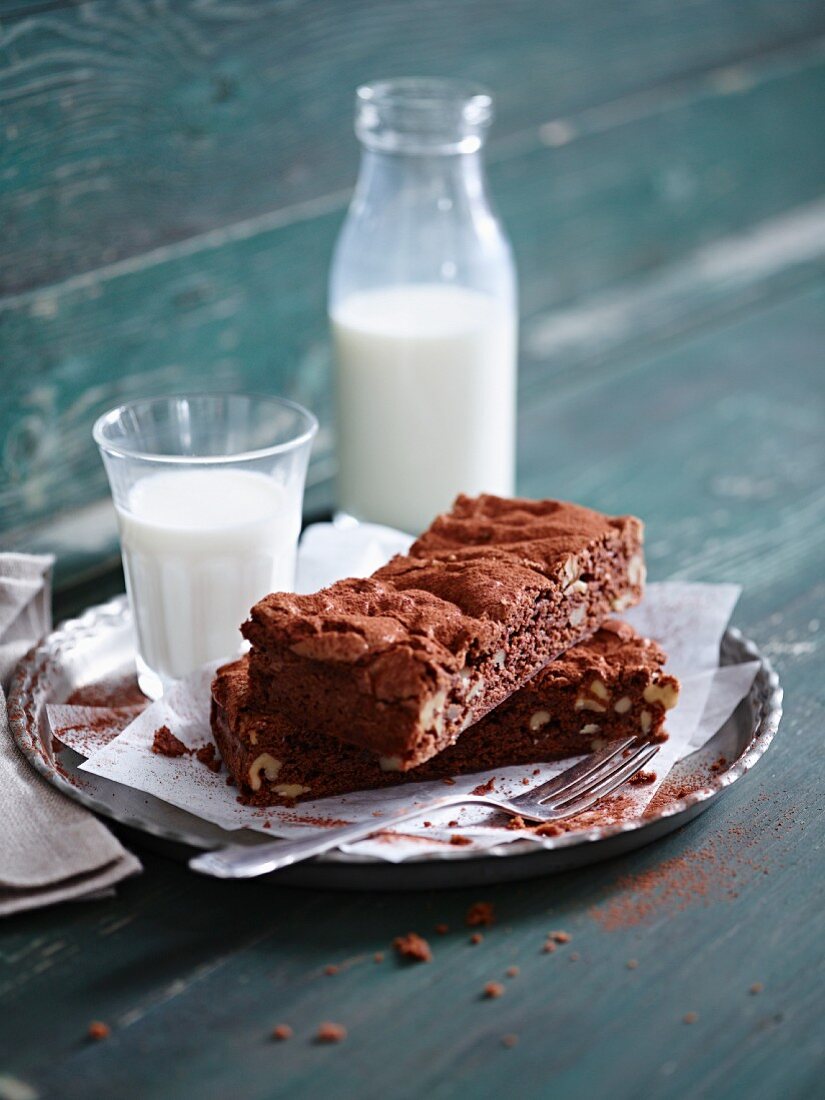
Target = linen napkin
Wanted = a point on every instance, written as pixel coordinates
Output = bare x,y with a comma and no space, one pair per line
51,849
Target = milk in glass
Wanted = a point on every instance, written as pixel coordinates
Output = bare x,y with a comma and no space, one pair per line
200,547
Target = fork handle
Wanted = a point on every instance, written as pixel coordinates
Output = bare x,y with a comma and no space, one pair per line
245,861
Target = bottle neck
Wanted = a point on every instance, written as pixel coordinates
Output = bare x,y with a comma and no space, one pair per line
441,181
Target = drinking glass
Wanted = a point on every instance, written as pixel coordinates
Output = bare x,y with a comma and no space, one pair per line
208,490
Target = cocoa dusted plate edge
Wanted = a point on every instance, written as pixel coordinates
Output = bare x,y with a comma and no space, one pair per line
99,644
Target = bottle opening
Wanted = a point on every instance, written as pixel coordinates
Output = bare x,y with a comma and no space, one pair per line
422,115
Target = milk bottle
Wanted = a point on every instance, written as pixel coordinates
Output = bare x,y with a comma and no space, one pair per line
422,311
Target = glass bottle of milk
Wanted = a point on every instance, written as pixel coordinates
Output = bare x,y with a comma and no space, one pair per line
422,305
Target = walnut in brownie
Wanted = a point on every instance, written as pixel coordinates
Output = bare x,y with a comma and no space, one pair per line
611,686
548,719
403,662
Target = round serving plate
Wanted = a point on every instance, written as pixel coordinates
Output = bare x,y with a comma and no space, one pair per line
99,645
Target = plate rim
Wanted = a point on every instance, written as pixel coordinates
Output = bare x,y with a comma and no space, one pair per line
115,613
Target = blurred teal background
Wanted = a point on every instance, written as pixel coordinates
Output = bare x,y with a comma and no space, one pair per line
173,177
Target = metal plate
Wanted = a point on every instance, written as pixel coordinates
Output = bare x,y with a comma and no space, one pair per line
99,645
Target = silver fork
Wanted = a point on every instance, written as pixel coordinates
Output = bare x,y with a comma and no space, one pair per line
574,790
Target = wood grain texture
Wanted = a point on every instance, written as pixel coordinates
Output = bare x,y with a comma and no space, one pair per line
132,125
173,180
721,450
651,199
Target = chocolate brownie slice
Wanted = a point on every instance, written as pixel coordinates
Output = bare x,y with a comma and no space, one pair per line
404,661
609,687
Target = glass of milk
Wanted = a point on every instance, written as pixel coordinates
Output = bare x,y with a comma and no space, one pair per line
208,491
422,305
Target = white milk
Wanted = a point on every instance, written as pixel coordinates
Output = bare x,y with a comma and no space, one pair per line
426,386
200,547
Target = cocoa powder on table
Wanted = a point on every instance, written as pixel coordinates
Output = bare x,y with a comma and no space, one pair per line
714,871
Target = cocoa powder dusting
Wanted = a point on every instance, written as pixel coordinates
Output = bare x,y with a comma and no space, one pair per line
115,691
309,819
610,811
98,728
715,871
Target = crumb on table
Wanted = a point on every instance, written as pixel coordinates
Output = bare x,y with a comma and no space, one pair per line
492,990
331,1033
481,913
413,947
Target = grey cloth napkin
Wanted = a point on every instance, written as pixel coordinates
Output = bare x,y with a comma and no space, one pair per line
51,849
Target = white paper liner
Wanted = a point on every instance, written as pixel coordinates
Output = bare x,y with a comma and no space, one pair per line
88,729
688,620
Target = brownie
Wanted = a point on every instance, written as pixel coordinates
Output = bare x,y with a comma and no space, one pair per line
402,662
608,687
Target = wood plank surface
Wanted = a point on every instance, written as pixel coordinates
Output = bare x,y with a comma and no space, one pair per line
716,440
172,177
132,125
685,196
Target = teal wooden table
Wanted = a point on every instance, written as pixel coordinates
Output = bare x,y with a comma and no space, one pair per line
175,179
